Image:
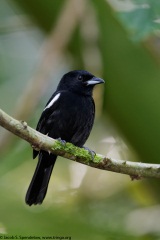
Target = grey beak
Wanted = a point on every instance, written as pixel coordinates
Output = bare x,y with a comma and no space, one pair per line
94,81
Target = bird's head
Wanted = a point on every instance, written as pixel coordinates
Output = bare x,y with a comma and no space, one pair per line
79,81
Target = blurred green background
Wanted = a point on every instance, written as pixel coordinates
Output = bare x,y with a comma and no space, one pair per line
118,41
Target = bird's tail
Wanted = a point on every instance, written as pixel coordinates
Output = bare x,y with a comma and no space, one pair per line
39,184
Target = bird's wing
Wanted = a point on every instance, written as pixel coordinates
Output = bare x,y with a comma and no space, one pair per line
50,107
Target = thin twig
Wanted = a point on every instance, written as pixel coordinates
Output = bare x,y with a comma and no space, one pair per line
136,170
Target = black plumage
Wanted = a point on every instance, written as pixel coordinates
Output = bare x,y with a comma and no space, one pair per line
69,115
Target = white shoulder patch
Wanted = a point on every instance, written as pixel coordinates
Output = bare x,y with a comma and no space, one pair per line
52,101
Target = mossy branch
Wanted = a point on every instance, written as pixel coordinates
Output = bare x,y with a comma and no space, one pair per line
136,170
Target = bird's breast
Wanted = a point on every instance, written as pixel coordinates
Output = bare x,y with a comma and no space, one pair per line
79,118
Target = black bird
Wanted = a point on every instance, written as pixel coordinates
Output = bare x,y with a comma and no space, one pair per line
68,115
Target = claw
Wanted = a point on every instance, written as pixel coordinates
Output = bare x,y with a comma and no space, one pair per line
61,141
91,152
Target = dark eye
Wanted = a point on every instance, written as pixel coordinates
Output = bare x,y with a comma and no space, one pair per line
80,77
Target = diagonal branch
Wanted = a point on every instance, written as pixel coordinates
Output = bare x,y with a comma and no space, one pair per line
135,169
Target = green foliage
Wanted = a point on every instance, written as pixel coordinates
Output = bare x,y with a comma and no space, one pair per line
143,20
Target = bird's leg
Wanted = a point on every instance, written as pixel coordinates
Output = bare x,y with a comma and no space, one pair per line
61,141
91,152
